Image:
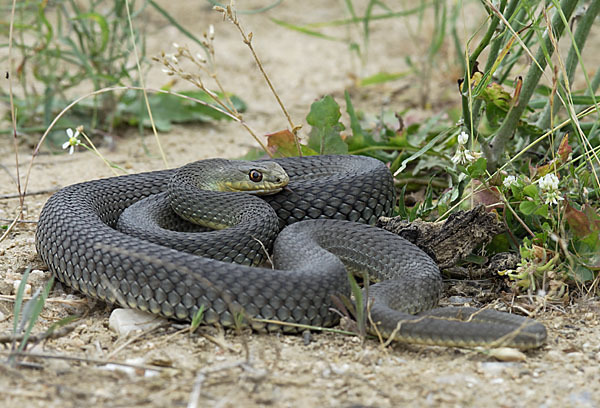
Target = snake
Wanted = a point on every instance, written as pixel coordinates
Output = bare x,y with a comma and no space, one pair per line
317,222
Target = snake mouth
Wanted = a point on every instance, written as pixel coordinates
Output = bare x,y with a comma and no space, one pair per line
265,188
268,192
264,192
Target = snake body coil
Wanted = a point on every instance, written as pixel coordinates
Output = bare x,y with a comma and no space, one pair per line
77,239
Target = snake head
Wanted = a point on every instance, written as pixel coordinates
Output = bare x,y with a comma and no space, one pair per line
261,178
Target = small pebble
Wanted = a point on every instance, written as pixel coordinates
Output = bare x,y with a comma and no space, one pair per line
27,290
306,337
131,371
459,300
554,355
124,321
507,354
6,287
37,278
340,369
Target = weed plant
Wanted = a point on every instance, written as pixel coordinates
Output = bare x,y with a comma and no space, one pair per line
525,145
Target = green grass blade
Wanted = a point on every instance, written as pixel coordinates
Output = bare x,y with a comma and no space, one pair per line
382,77
197,319
19,300
357,292
172,20
104,31
38,305
373,17
247,11
304,30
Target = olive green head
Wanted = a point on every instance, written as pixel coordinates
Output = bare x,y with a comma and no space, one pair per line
251,177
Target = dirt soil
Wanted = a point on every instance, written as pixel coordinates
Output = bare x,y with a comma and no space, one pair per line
212,368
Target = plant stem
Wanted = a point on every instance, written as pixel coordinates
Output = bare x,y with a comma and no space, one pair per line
247,39
139,68
13,114
594,84
529,84
471,110
581,34
492,55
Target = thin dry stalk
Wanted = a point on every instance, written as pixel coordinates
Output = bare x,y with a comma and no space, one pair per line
137,62
172,67
229,12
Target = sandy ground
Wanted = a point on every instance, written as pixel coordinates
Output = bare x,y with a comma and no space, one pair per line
245,369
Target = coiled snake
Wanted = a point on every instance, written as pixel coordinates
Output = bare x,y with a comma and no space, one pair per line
337,196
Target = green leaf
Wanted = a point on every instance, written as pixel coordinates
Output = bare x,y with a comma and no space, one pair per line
592,241
527,207
382,77
168,109
282,144
325,135
583,274
324,113
531,191
517,191
477,168
542,211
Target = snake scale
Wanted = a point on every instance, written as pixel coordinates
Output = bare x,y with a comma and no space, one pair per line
335,197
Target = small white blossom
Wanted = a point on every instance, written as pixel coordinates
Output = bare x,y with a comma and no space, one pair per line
549,182
463,138
552,197
175,45
200,58
549,186
73,140
509,181
172,57
464,156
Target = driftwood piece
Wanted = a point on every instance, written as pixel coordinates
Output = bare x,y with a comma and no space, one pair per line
451,240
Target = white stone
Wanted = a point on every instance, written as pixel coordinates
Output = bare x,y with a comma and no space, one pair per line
37,278
26,291
124,321
507,354
128,369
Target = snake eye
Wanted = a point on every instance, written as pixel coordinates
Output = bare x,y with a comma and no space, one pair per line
255,175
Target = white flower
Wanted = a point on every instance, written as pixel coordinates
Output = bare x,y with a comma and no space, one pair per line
464,156
552,197
549,185
463,138
549,182
172,57
509,181
73,140
200,58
